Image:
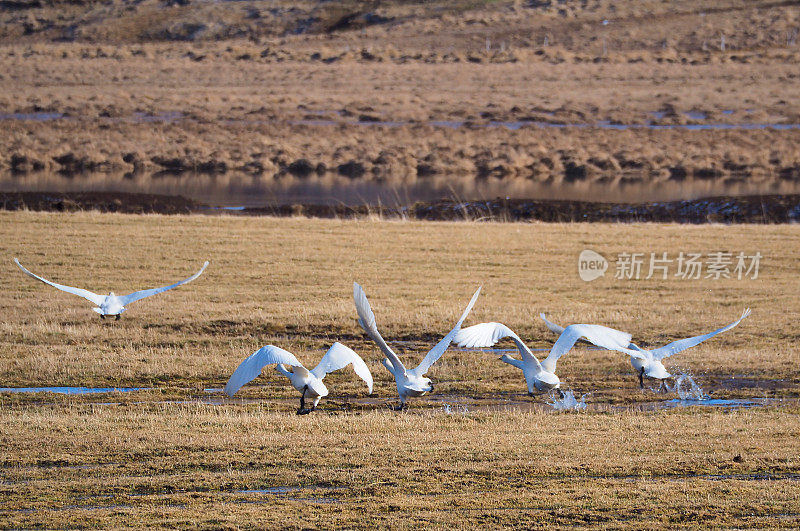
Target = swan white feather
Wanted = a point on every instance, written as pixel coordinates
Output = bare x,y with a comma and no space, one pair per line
410,382
539,375
111,304
647,362
307,382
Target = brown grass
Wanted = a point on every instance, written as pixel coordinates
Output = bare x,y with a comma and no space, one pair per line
136,460
239,99
285,280
184,465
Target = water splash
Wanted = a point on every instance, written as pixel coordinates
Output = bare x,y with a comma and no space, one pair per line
451,409
687,389
567,401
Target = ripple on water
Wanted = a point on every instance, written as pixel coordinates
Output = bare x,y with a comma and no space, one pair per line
733,403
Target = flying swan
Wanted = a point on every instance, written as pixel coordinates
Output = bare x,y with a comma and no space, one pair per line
111,304
540,376
309,383
410,382
648,362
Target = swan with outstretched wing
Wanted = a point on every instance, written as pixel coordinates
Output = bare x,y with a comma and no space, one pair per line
410,382
647,362
540,376
111,304
309,383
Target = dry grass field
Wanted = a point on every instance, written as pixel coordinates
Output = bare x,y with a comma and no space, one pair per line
476,452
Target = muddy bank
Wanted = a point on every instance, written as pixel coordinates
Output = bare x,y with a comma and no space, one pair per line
100,201
748,209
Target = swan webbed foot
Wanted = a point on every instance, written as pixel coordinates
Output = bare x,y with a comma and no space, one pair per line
561,394
305,411
117,317
103,317
402,406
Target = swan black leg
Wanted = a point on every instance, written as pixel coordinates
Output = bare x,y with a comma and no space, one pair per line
117,317
560,394
303,410
641,378
103,317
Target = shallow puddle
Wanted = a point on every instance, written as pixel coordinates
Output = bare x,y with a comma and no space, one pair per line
34,116
601,124
269,490
721,402
320,118
284,491
72,390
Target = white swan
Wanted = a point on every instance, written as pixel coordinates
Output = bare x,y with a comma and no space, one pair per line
648,362
111,304
309,383
410,382
539,376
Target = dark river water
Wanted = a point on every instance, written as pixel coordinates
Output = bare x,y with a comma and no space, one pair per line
232,189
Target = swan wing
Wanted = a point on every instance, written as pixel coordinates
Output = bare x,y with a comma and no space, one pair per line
367,321
551,325
86,294
339,357
138,295
682,344
436,352
251,367
598,335
488,334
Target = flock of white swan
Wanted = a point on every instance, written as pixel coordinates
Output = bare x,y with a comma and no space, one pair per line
539,375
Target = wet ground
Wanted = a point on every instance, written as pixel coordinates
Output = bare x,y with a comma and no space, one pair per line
656,120
745,209
684,391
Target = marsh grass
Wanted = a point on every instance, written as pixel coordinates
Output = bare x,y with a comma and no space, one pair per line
187,465
289,281
177,455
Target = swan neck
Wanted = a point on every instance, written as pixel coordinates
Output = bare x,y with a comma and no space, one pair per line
388,366
281,369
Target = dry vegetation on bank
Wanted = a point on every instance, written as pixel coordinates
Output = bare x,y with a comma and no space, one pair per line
252,102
